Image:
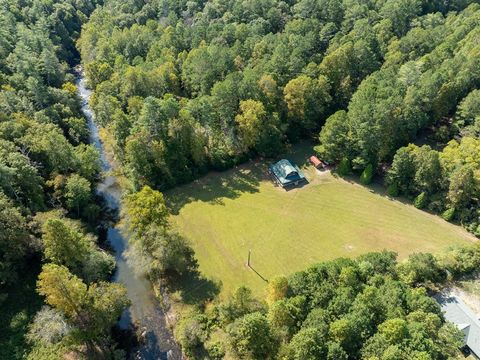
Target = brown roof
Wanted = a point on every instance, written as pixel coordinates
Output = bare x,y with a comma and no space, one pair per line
315,161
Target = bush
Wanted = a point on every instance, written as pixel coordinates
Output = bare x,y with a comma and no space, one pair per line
448,214
421,269
250,336
367,175
461,260
436,202
344,167
420,201
477,231
191,332
276,289
392,190
215,350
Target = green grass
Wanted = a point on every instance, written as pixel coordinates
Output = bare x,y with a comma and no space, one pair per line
226,214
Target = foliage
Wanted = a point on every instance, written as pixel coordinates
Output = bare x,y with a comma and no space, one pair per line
14,239
420,200
367,175
250,337
460,260
449,179
467,116
344,168
191,332
164,250
277,289
368,307
239,304
332,138
144,209
93,309
44,160
64,245
49,326
448,214
393,190
421,268
190,86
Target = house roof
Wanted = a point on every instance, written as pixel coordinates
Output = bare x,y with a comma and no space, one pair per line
315,161
464,318
286,172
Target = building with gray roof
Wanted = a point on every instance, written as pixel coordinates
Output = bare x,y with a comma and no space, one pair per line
465,319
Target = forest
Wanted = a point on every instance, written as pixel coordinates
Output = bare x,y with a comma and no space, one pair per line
185,87
49,212
387,89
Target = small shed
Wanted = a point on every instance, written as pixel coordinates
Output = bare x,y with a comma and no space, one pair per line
286,173
316,162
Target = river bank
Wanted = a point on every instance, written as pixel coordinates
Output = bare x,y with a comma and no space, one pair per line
145,313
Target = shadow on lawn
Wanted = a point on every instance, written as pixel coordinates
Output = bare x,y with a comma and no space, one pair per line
215,186
230,184
377,187
192,286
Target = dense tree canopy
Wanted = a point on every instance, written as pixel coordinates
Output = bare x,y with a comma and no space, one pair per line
47,175
370,307
182,87
186,86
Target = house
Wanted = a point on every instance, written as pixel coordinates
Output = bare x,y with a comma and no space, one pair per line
287,174
465,319
316,162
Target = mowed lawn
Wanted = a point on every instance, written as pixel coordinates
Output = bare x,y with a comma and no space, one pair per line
226,214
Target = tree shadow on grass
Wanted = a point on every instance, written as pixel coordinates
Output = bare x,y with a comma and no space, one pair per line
378,187
192,286
216,186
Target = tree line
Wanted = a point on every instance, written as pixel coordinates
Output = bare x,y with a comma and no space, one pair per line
425,92
184,87
371,307
49,212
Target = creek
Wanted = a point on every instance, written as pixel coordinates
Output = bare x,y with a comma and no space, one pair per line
145,310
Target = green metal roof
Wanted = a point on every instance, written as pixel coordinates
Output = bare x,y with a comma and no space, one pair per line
287,172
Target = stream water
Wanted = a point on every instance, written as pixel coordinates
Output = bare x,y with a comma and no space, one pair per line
145,311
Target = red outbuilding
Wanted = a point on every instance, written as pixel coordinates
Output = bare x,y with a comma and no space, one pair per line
316,162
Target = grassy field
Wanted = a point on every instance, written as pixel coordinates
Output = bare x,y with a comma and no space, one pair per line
226,214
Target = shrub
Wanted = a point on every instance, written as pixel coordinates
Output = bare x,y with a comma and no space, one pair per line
461,260
448,214
344,168
392,190
420,201
191,332
277,289
215,350
436,202
367,175
421,269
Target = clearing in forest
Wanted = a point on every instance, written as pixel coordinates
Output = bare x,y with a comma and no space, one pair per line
226,214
